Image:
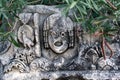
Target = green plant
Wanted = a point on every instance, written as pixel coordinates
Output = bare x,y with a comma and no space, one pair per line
8,12
105,35
97,16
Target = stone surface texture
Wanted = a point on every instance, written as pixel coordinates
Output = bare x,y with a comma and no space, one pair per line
54,47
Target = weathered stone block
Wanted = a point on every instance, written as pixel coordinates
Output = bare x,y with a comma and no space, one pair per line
53,47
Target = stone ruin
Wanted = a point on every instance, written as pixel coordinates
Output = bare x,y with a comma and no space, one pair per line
53,47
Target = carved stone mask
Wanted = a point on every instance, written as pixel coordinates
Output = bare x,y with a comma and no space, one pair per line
58,39
58,32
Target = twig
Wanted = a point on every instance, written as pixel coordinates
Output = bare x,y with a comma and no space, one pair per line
34,1
107,44
102,47
108,1
98,34
11,2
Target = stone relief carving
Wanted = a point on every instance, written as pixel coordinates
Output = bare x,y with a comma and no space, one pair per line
26,54
61,50
59,32
25,32
108,64
42,64
52,42
26,36
59,37
21,61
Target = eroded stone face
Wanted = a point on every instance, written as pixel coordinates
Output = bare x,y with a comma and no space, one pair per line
58,37
58,32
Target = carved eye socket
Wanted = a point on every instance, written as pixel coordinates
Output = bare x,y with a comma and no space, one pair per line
62,34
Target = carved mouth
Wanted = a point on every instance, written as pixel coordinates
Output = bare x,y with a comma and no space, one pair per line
58,43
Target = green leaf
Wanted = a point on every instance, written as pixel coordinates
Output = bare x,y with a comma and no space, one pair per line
117,3
81,10
77,19
67,1
73,4
89,4
83,3
5,16
97,22
12,40
65,11
0,3
61,6
94,5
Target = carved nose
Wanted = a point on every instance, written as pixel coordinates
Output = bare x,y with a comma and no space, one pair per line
58,43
